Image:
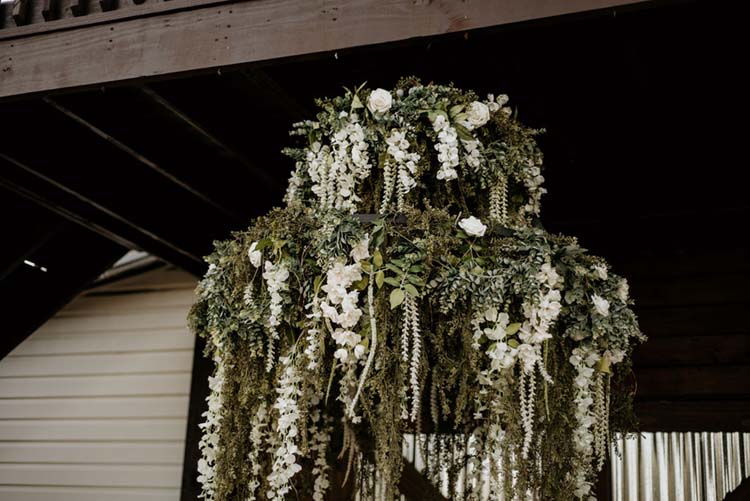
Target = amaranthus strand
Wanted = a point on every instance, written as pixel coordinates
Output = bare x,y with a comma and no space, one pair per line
373,344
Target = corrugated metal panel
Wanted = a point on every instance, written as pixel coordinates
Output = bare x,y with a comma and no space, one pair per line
679,466
94,404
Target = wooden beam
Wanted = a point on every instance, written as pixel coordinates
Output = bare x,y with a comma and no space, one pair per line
74,258
693,382
261,174
66,202
245,32
142,159
684,416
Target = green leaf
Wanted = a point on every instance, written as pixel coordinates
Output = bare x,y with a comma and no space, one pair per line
379,278
263,244
361,284
397,297
399,262
356,103
463,132
513,343
455,110
392,281
415,280
411,290
365,265
317,283
394,269
512,329
377,258
278,244
415,268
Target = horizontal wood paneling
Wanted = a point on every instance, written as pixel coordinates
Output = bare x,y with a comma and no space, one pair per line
120,363
91,475
145,301
85,386
93,429
709,415
114,407
113,342
730,349
696,382
60,493
172,317
94,404
97,453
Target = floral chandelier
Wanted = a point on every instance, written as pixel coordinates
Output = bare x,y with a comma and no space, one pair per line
407,287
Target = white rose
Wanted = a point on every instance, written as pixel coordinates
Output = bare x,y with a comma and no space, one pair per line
601,305
254,255
477,114
380,101
472,226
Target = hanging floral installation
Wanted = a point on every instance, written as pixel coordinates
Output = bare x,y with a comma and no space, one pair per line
407,287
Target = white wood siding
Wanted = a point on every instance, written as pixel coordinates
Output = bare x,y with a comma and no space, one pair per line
94,404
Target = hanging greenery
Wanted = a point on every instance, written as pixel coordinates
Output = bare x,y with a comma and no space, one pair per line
407,287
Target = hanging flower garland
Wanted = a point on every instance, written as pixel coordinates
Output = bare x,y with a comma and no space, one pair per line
407,287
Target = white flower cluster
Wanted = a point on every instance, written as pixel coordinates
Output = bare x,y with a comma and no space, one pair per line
276,276
320,432
406,164
447,147
584,359
285,456
341,308
473,157
533,181
257,434
209,442
411,329
350,162
314,341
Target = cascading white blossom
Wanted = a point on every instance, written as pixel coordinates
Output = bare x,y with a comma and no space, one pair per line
584,359
258,431
447,148
285,464
406,166
276,276
209,443
341,308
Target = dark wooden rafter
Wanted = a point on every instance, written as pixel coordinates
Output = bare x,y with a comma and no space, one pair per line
74,257
260,82
143,160
261,174
35,186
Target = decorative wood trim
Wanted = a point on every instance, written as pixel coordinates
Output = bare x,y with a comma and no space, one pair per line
246,32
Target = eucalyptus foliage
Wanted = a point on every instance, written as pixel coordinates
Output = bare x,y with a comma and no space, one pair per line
448,312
